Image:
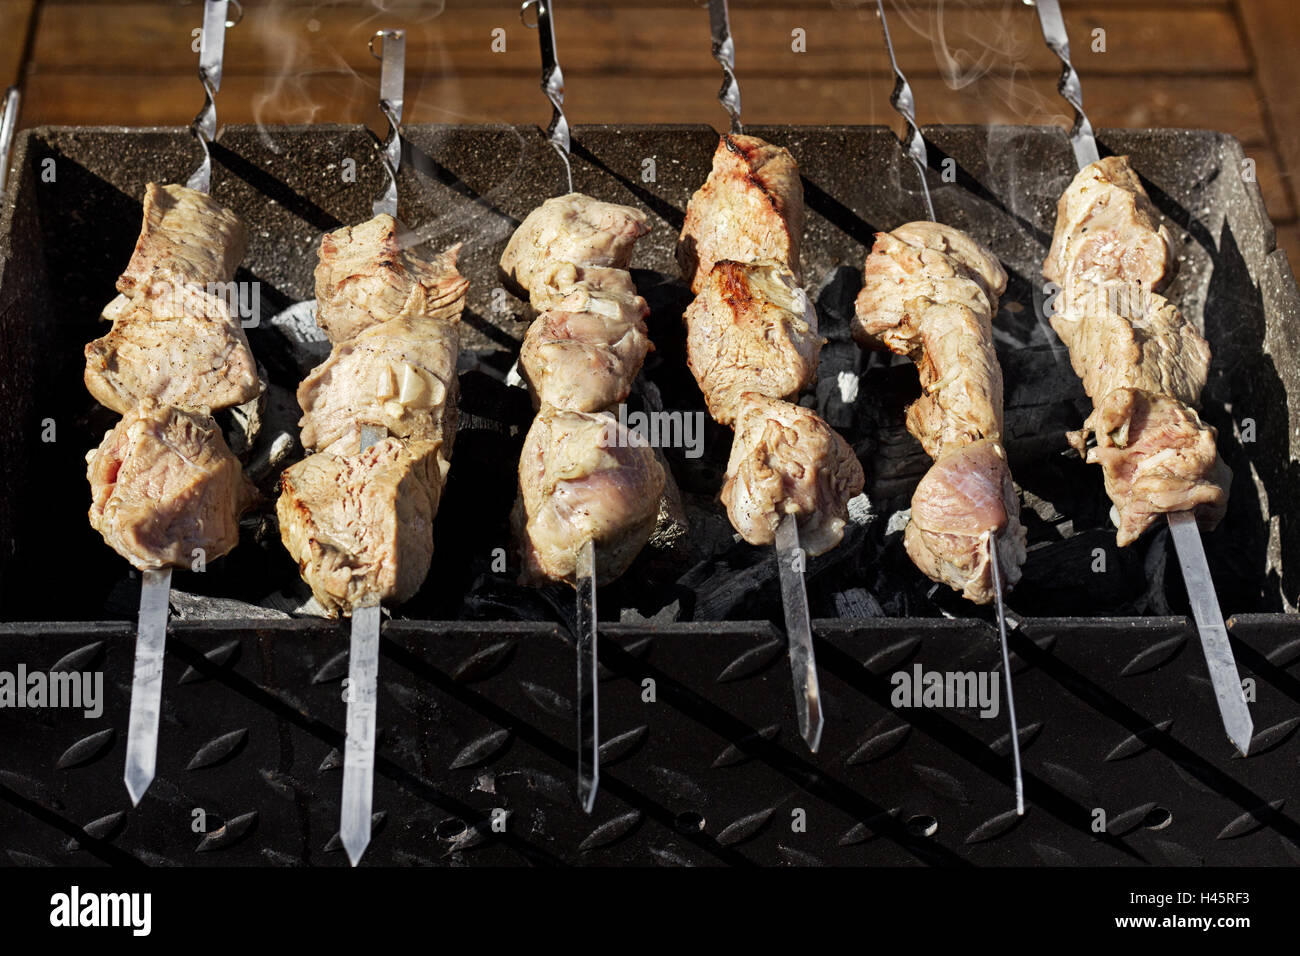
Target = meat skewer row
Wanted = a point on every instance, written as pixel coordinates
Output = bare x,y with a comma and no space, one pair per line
357,517
582,476
930,292
752,345
1142,363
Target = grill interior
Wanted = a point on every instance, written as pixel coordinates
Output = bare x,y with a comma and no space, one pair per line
76,213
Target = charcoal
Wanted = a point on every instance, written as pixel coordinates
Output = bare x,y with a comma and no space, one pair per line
302,337
203,607
857,604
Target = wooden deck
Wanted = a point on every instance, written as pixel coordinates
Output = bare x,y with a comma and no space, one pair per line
1230,65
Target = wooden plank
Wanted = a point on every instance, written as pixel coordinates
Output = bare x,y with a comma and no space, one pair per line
1288,240
85,99
1273,183
15,15
618,39
1271,33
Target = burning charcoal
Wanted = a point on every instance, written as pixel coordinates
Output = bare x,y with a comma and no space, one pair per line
668,614
201,607
857,604
307,343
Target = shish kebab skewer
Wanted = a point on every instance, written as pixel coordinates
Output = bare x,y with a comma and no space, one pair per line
930,292
589,489
1143,365
752,345
380,413
165,488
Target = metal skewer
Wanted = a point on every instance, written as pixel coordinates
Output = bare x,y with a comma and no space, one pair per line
155,588
914,145
363,652
790,559
586,639
1233,708
8,126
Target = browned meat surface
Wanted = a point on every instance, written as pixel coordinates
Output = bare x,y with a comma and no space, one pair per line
1157,456
361,526
365,277
574,229
582,477
162,484
750,207
587,345
752,328
187,238
1125,337
1142,363
786,460
176,345
399,374
930,292
1107,229
966,496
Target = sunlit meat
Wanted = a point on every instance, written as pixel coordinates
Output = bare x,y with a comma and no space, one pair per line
187,238
930,293
750,208
584,349
361,526
399,374
583,477
752,328
1142,363
366,276
176,345
165,489
786,460
575,229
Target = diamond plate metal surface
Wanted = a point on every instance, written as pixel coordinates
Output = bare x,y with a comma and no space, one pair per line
476,720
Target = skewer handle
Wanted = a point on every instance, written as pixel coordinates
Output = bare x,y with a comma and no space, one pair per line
392,84
904,103
552,79
588,692
1082,138
212,49
724,51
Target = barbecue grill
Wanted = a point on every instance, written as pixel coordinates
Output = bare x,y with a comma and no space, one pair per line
1116,712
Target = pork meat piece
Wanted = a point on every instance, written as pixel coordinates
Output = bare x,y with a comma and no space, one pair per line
361,526
175,345
188,238
752,328
399,374
583,352
1107,229
1122,336
930,293
1157,457
583,477
163,483
576,229
786,460
750,208
366,276
965,497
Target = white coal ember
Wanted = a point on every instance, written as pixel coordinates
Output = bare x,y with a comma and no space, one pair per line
857,604
665,615
201,607
307,342
897,522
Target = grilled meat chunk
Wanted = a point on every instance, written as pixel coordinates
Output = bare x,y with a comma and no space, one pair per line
1107,229
786,460
188,238
1157,456
361,526
575,229
930,292
750,208
587,345
582,476
365,277
399,374
751,329
176,345
966,496
162,484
